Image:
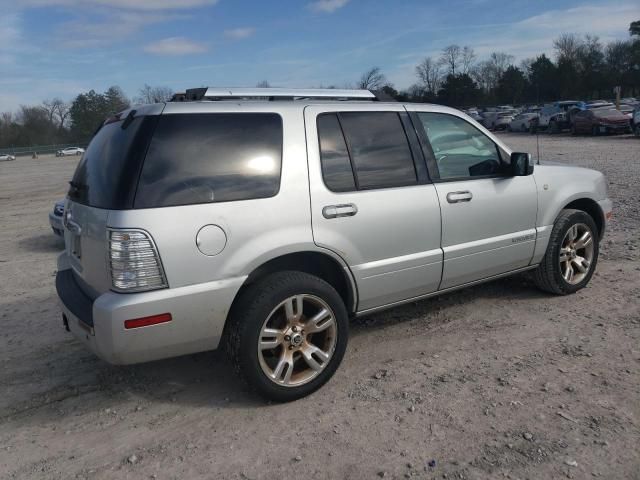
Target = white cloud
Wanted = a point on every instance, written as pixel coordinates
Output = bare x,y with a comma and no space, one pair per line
123,4
10,37
111,28
239,33
175,46
327,6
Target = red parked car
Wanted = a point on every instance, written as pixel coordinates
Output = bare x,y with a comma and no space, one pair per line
600,120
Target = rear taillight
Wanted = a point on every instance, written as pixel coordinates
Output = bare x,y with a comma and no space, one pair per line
134,262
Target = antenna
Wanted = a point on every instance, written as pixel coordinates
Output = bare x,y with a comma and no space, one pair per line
538,124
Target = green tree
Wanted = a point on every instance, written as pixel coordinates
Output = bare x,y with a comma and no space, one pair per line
90,109
459,90
512,86
634,28
543,76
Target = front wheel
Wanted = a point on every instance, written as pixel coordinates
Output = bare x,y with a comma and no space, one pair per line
571,256
288,335
637,130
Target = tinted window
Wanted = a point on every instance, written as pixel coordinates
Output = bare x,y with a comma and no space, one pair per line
107,174
334,156
379,149
203,158
460,149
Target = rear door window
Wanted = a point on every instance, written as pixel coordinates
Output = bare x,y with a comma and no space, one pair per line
217,157
379,149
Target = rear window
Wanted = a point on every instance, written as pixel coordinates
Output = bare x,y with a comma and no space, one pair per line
107,174
204,158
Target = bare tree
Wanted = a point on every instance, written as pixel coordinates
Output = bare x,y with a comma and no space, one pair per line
451,58
372,79
488,73
263,84
430,75
58,110
149,94
468,56
567,47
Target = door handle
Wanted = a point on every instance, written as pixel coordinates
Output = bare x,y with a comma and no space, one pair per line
456,197
343,210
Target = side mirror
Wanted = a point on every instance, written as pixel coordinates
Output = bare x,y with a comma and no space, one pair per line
521,164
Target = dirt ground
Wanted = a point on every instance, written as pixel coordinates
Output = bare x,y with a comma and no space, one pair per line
495,381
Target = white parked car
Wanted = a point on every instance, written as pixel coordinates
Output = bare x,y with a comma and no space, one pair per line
6,157
522,122
65,152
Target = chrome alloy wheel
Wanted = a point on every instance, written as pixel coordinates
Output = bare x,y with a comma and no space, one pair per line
576,253
297,340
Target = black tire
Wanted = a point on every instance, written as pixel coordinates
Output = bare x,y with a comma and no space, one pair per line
253,308
573,130
548,276
594,131
553,127
637,130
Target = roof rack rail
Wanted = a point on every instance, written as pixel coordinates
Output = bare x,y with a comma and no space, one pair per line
204,93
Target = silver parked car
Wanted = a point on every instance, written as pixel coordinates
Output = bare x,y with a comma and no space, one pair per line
7,157
522,122
55,218
65,152
262,226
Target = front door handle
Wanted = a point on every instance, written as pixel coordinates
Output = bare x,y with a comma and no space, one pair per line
343,210
456,197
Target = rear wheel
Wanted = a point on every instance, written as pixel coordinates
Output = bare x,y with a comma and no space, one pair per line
571,256
594,131
288,335
637,130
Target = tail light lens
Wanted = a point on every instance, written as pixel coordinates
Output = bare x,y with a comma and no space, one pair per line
134,262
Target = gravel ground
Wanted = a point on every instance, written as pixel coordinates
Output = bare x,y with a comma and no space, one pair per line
495,381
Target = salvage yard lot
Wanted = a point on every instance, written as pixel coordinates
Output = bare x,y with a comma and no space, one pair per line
495,381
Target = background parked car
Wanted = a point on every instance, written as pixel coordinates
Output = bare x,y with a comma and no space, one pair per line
6,157
498,120
600,120
69,151
554,117
627,110
636,121
522,122
55,218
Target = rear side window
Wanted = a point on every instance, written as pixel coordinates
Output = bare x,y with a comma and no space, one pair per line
204,158
373,153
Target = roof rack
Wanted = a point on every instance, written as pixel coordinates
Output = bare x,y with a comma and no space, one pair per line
195,94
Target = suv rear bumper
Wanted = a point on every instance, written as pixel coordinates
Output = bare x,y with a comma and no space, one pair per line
198,314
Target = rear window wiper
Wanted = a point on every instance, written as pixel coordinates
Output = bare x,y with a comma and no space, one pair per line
128,119
76,187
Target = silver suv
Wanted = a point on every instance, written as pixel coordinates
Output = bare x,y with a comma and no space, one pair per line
263,219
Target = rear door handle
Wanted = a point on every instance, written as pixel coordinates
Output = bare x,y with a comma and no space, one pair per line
456,197
343,210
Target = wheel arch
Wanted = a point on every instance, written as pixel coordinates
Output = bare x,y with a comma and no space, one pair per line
592,208
321,264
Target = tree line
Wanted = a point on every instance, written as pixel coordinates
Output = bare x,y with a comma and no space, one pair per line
582,67
58,122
